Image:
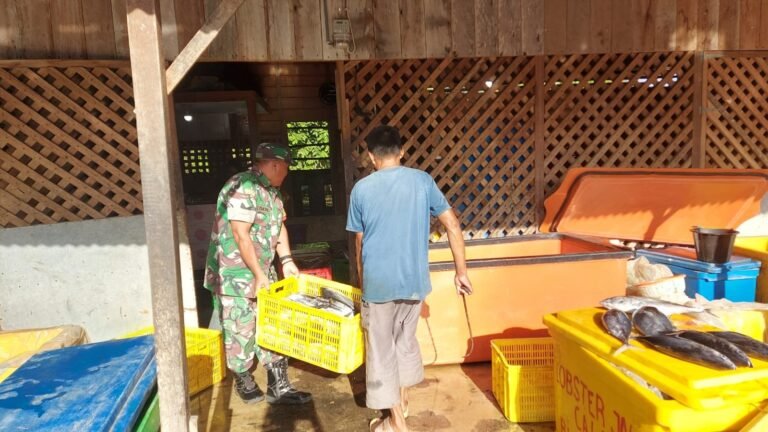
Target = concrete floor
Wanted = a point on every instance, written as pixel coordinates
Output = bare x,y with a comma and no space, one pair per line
451,398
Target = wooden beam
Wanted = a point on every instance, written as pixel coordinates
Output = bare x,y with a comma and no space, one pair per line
539,135
63,64
154,134
200,41
699,156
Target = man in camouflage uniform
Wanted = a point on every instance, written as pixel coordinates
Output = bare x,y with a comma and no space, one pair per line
247,232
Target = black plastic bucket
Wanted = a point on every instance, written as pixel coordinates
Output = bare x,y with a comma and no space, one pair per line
713,245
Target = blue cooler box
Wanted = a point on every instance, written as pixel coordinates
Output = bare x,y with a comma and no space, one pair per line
735,280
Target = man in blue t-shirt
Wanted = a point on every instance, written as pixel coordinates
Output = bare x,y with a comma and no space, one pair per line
389,212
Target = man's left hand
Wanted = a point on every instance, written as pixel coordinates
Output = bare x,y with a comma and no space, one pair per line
290,269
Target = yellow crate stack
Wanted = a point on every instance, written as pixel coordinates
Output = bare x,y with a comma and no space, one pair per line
308,334
206,364
522,378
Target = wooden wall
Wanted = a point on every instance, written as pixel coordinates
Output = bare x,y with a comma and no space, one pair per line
287,30
292,92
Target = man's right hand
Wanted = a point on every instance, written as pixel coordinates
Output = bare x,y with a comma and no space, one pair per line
260,281
463,285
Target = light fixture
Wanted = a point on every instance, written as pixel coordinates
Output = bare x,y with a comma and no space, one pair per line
339,32
489,83
342,33
187,117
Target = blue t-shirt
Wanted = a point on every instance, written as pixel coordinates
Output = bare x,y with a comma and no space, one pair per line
392,207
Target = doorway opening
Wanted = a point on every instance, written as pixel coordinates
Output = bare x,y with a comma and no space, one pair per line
223,111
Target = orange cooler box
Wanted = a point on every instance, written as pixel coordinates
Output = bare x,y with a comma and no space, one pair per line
518,280
544,272
593,392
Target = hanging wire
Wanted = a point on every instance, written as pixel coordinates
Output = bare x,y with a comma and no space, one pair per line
352,47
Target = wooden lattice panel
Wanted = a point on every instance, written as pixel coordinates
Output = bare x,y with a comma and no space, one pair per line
68,141
736,107
476,141
625,110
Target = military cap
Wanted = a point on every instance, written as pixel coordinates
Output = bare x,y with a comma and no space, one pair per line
267,150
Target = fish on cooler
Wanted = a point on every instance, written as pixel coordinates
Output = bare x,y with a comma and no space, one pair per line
722,345
631,303
618,325
688,350
649,321
752,347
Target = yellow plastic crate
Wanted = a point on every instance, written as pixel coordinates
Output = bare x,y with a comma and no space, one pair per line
522,377
206,364
314,336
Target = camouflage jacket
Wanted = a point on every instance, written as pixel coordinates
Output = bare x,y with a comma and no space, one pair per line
246,197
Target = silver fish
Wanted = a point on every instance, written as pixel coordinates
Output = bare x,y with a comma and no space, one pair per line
729,349
688,350
752,347
649,321
631,303
618,325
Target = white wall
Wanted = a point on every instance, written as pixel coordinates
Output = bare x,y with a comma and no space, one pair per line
90,273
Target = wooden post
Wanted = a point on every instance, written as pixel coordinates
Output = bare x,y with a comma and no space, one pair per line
539,142
346,133
154,134
186,271
347,160
699,156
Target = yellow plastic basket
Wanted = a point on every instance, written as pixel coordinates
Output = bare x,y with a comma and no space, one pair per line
522,375
756,248
206,364
312,335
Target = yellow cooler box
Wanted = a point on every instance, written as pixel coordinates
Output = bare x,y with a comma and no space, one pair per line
596,391
756,248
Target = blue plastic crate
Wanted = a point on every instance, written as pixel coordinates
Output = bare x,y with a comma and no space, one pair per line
735,280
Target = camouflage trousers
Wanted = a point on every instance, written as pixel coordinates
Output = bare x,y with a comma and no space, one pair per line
238,324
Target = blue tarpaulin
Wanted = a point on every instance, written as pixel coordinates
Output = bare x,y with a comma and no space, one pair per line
95,387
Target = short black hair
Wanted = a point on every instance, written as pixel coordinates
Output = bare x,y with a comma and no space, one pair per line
384,141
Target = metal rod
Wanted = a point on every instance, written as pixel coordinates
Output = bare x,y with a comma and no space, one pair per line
327,22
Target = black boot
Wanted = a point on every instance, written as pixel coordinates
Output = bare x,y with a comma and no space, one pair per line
247,388
279,389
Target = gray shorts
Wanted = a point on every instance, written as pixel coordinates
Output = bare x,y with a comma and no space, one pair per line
392,355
